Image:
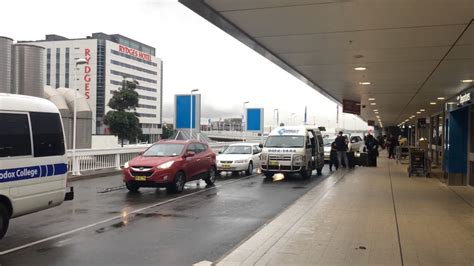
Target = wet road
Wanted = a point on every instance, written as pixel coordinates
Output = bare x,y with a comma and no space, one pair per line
106,225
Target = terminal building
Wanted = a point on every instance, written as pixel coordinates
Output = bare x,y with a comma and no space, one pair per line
109,60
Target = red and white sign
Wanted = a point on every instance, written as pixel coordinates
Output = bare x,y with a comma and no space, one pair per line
135,53
87,73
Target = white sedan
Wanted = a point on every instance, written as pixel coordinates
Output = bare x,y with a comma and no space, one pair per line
239,157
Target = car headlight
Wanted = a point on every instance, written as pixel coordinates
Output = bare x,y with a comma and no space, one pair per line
166,165
126,165
263,156
240,161
298,159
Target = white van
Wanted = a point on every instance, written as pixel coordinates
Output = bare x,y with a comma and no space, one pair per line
293,149
33,162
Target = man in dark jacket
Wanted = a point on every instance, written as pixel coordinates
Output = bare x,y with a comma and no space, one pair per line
392,143
341,147
333,157
372,150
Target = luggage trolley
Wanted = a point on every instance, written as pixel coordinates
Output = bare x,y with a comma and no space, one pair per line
402,154
419,163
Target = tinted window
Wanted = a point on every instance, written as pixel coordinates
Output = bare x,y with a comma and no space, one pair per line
14,135
164,150
192,147
48,139
238,150
200,147
320,141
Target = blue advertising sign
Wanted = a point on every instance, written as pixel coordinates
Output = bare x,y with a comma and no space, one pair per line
255,119
183,111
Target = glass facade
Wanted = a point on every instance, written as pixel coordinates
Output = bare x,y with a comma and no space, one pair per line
48,66
126,75
66,72
58,67
100,101
117,63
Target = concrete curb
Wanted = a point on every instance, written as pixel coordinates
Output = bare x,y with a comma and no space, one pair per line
93,174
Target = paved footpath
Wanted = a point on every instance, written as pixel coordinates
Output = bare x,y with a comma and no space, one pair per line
367,216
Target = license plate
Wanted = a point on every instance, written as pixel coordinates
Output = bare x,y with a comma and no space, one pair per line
140,178
273,163
226,166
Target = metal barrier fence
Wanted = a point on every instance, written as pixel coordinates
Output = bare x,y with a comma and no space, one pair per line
96,159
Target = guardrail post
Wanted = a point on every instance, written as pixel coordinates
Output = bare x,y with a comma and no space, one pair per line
76,167
117,160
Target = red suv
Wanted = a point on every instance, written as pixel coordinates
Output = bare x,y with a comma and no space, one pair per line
170,164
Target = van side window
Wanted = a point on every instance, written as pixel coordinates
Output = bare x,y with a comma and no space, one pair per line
14,135
48,139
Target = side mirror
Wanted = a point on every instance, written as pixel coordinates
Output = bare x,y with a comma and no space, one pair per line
141,153
260,146
189,154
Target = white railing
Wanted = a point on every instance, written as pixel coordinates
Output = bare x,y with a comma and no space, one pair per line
114,158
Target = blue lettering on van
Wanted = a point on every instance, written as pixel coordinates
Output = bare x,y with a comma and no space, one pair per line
30,172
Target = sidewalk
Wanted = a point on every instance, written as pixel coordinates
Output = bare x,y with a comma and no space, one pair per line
367,216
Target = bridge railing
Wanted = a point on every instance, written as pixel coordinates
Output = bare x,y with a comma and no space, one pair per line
114,158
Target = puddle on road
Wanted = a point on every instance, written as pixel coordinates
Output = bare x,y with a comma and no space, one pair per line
298,187
110,189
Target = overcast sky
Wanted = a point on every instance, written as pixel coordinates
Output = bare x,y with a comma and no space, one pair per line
196,55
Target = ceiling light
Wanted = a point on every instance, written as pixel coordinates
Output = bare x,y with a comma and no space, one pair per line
360,68
373,103
441,98
432,103
371,99
376,110
364,83
422,110
467,80
418,112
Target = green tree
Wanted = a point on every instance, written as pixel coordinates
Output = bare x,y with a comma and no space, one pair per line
122,120
168,131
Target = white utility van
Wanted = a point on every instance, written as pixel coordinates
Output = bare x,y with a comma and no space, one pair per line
33,162
293,149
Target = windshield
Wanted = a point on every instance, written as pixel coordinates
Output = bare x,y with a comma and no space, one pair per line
285,142
164,150
327,142
238,150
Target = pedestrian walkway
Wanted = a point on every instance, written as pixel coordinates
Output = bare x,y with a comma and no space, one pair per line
367,216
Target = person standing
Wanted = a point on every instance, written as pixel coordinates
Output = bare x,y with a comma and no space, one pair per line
333,157
392,143
341,147
372,150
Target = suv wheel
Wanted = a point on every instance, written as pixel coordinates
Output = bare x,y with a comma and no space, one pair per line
132,187
178,183
211,177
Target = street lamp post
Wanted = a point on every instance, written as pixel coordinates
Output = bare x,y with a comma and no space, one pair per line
191,113
243,116
75,170
277,116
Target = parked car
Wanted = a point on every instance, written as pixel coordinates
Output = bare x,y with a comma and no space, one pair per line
239,157
356,144
170,164
327,147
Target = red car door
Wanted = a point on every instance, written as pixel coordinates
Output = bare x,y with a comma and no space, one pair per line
191,165
205,158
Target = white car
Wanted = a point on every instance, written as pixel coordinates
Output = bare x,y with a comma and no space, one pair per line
356,144
239,157
327,147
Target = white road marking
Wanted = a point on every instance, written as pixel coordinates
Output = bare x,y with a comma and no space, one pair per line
114,218
203,263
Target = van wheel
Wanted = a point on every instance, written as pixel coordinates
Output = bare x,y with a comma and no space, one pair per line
132,187
178,183
319,171
4,220
268,175
249,170
306,172
211,178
